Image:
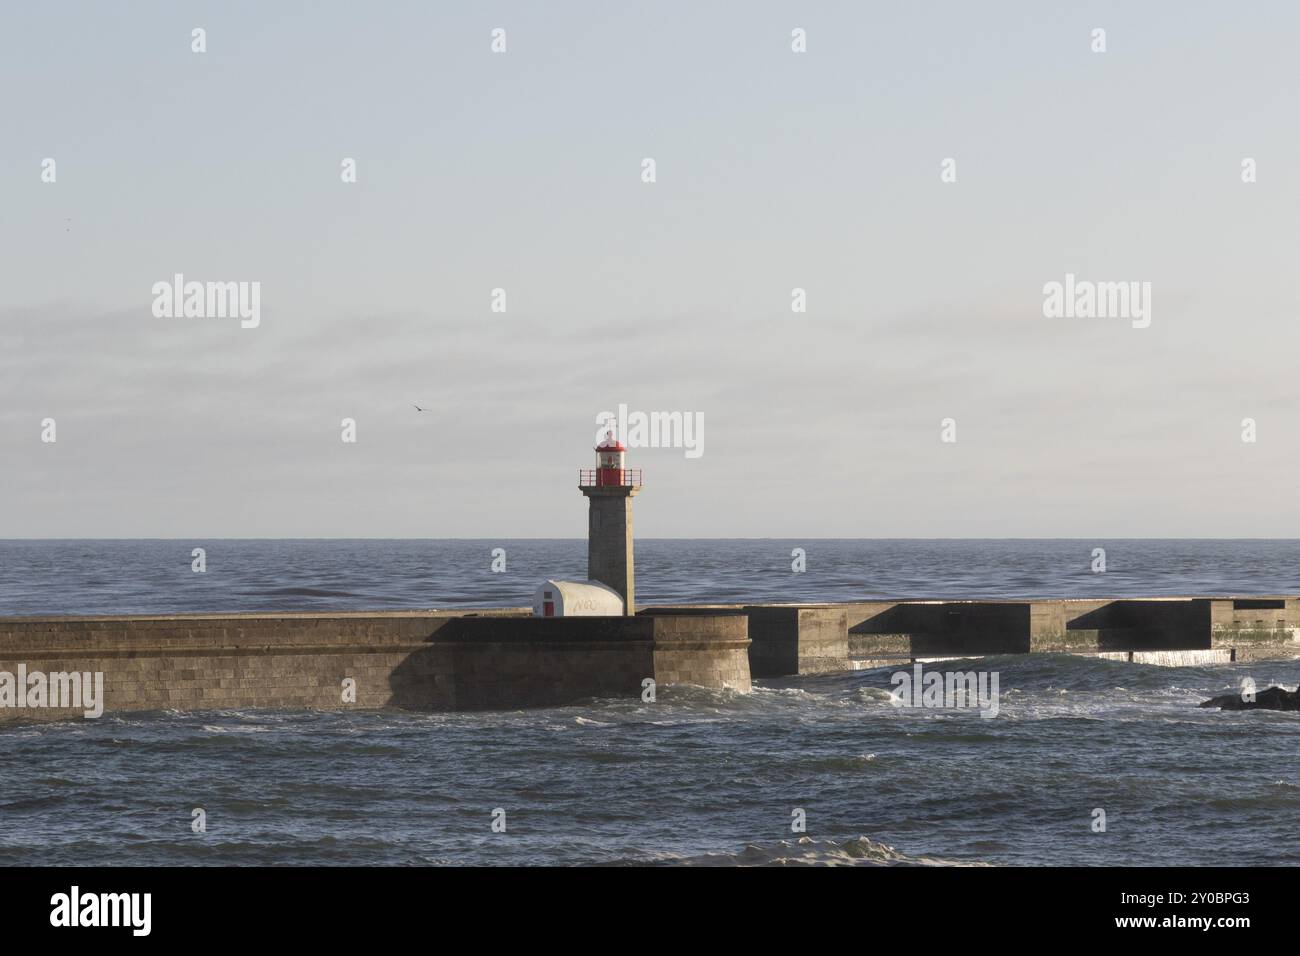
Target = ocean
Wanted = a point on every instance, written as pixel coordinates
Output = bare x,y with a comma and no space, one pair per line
696,778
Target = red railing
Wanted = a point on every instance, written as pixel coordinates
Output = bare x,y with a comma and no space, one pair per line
609,478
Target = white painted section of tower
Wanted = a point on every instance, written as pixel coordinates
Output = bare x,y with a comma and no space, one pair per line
576,599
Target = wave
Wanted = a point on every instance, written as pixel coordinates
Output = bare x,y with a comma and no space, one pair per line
300,592
806,851
251,729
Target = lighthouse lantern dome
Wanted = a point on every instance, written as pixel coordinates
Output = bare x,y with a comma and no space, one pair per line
610,452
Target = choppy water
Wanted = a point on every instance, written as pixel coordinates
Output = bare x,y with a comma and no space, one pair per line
137,577
697,777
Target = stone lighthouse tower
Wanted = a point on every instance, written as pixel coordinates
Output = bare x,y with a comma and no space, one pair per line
609,488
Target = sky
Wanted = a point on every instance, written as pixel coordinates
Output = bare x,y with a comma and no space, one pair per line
774,170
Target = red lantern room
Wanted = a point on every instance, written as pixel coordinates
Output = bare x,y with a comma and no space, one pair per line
610,471
609,461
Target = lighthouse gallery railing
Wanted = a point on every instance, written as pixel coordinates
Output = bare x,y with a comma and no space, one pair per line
609,477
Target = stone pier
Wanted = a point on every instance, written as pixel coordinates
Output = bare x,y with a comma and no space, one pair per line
819,638
411,660
505,659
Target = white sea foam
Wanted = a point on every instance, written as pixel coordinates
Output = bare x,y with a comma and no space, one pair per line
806,851
249,729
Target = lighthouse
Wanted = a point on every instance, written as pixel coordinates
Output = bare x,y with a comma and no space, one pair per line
609,488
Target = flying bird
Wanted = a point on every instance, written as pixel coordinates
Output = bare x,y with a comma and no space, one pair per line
418,408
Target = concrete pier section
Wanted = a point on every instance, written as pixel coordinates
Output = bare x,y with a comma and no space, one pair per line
1266,626
1230,627
819,638
438,661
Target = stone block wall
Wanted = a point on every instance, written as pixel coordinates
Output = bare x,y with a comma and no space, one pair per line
1152,624
708,651
1255,622
422,661
938,628
797,640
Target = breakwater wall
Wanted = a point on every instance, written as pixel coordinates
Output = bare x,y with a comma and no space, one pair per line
927,628
442,660
818,638
412,660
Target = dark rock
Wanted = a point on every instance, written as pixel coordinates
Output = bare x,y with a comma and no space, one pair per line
1275,698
